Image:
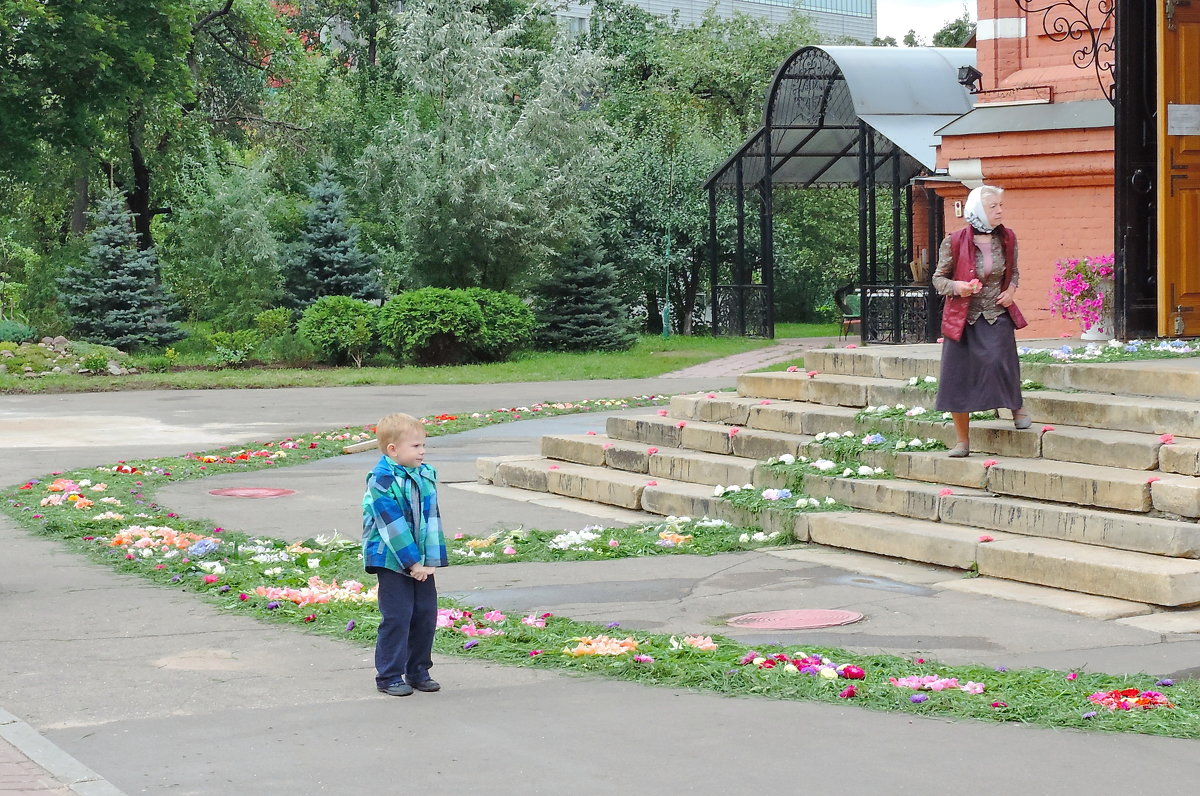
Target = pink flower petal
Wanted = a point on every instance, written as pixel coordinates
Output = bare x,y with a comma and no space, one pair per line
553,467
710,395
733,432
985,538
662,412
651,483
812,374
606,445
1152,479
764,402
681,424
591,433
851,345
1047,428
792,369
989,462
945,492
1167,439
651,451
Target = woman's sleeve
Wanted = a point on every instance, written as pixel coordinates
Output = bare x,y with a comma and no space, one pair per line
942,275
1016,274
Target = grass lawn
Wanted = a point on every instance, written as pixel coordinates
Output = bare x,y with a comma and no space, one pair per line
786,330
651,356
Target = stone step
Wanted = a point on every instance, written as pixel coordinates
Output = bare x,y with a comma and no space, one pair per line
679,464
1148,415
1138,533
900,537
1068,482
709,437
1139,577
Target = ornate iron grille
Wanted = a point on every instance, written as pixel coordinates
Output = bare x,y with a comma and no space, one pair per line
741,310
1081,21
898,314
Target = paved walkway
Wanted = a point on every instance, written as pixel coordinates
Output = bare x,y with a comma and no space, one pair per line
156,691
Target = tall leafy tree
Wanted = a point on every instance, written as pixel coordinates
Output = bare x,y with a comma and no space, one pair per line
113,297
956,32
492,163
330,262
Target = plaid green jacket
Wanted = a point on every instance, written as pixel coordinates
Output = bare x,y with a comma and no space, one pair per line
395,535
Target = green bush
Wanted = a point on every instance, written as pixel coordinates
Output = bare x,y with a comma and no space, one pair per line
273,323
507,324
340,327
96,362
16,332
155,363
290,349
431,326
232,348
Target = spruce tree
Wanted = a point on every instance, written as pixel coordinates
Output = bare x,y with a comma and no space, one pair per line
577,305
114,296
329,262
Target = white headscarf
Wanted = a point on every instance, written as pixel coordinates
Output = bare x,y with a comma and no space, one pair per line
974,212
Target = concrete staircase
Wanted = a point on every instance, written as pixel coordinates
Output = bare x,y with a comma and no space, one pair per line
1090,499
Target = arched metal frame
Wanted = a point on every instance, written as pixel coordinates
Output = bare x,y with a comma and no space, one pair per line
840,116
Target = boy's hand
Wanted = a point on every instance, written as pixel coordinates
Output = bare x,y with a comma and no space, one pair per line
420,571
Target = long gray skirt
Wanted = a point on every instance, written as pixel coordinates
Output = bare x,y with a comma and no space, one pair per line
981,371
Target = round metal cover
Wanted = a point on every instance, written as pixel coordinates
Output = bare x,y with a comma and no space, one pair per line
251,492
796,619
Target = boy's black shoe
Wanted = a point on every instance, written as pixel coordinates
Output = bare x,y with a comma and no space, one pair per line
397,689
425,685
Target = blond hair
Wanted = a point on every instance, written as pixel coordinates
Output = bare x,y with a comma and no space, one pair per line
392,428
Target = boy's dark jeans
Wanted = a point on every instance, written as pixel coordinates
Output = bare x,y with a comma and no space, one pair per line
404,646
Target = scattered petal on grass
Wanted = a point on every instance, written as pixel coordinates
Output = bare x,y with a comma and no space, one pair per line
350,625
613,543
1091,714
917,699
532,653
510,551
643,659
999,704
1072,675
470,643
310,618
1165,683
849,692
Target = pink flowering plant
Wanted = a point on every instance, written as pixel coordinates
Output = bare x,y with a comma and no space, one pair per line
1082,288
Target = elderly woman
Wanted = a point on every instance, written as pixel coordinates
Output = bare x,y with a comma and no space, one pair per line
977,273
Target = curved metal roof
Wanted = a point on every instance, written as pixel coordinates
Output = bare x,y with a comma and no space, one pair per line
819,96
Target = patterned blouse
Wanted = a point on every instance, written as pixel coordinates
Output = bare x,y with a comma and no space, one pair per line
984,302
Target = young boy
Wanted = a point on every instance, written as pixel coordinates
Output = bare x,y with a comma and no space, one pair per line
402,543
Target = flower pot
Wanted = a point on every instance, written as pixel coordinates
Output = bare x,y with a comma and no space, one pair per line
1101,330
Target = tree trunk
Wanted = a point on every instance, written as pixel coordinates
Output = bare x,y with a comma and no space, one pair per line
373,34
80,206
137,196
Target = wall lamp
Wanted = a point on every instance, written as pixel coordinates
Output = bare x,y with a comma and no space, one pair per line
968,76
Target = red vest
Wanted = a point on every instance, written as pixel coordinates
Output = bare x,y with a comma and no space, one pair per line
962,250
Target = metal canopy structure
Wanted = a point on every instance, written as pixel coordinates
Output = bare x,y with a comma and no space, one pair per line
840,116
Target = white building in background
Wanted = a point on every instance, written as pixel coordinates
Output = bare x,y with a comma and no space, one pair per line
833,19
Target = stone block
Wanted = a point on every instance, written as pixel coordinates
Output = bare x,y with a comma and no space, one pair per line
843,362
1071,602
651,430
885,496
899,537
751,443
627,456
837,391
1183,457
1116,412
601,486
1154,535
577,448
713,439
1100,446
529,475
936,467
784,386
1177,494
824,419
911,363
725,408
1068,482
1138,577
785,417
701,468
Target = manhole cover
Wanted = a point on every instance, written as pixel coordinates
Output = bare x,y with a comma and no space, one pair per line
251,492
796,619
